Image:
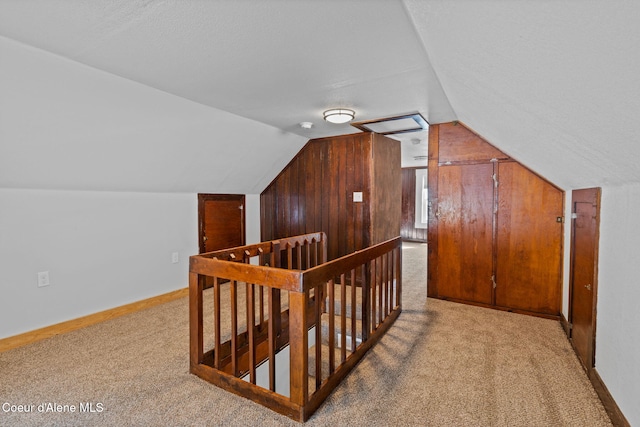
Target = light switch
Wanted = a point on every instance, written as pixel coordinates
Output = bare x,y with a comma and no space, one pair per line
357,196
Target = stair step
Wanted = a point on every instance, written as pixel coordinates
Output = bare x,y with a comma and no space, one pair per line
338,331
324,366
338,302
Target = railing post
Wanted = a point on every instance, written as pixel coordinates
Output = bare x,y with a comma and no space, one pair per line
299,348
196,343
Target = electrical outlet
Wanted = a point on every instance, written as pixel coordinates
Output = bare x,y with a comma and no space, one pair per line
43,279
175,257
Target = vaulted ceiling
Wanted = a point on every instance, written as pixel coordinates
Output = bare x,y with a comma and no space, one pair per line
208,95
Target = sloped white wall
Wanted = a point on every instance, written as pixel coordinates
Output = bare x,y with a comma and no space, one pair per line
618,318
552,83
67,126
98,183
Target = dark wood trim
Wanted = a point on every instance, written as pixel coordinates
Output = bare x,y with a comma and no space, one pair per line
596,201
615,414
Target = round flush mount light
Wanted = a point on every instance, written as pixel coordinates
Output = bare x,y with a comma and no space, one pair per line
339,115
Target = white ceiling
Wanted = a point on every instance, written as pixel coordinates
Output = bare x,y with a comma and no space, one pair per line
552,83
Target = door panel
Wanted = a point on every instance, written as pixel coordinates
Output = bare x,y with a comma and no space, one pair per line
221,221
584,237
464,217
529,241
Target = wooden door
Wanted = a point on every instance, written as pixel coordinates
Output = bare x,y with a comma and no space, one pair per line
529,241
584,260
221,219
465,239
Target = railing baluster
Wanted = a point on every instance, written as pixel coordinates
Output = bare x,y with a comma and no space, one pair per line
272,341
379,264
251,309
398,276
332,326
299,256
343,318
366,308
374,281
353,310
234,327
319,309
385,284
217,320
289,256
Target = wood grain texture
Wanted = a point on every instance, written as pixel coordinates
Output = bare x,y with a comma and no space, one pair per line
529,241
459,144
491,218
314,192
465,237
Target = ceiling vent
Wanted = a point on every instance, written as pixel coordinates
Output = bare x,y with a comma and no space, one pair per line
394,125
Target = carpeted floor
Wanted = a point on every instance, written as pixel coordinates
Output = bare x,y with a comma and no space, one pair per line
441,364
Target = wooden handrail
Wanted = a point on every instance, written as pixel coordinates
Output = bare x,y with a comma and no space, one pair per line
297,268
332,269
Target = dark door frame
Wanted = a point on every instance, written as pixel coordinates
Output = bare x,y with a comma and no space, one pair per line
202,197
590,357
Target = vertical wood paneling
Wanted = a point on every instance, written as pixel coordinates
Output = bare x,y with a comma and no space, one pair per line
315,193
465,241
529,247
518,212
387,182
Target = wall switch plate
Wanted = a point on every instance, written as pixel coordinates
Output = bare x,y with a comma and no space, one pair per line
357,196
43,279
175,257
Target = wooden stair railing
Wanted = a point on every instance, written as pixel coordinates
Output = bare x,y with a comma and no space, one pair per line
327,313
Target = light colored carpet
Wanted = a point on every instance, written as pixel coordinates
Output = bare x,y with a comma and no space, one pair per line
441,364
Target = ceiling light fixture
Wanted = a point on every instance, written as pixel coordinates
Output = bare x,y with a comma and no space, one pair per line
339,115
306,125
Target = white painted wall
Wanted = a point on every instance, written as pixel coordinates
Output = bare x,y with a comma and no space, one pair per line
98,183
252,218
102,250
618,318
66,126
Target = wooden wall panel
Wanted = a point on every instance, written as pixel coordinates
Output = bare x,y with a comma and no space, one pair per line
315,193
465,241
525,254
387,184
408,231
529,247
459,144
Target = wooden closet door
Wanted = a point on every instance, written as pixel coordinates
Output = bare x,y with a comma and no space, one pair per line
465,221
529,241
